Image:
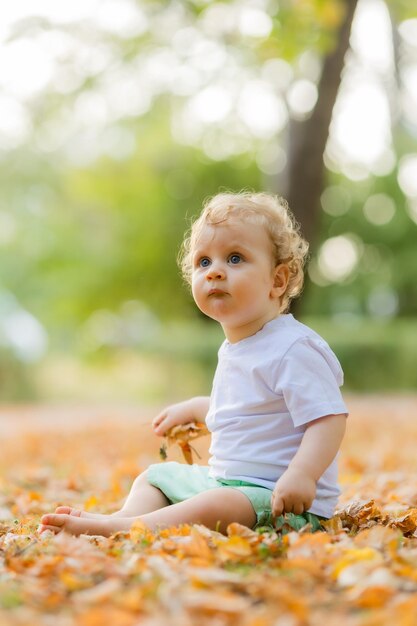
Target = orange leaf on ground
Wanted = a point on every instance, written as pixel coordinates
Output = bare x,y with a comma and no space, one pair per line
360,572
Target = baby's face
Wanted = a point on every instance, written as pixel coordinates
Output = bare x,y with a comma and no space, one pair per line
234,278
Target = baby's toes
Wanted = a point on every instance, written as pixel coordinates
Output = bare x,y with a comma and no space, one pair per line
67,510
53,522
43,527
63,509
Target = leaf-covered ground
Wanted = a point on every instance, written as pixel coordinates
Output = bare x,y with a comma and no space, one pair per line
361,571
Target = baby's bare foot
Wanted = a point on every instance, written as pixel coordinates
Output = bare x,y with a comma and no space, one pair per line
68,510
76,525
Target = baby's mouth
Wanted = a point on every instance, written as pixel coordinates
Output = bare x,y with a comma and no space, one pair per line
217,292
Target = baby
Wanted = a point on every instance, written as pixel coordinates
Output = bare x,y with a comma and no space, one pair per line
275,412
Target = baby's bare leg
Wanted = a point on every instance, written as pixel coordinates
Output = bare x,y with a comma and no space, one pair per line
216,509
143,498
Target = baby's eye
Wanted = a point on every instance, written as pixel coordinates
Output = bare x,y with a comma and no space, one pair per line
235,259
204,262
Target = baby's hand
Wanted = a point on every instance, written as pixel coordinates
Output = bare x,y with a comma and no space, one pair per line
293,493
180,413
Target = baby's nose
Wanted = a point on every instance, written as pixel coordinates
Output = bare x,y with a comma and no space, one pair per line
216,272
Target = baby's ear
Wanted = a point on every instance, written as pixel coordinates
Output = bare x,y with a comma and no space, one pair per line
281,278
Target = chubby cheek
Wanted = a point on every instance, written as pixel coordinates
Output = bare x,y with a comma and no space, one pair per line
196,291
194,286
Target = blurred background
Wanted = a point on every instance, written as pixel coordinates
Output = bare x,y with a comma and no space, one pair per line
119,117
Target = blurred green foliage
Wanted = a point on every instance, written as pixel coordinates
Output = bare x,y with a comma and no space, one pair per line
180,361
93,240
375,356
16,378
88,246
110,233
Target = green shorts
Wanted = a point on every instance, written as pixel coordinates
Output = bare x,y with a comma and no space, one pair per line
179,482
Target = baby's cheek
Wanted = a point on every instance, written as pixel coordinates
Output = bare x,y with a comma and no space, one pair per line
195,288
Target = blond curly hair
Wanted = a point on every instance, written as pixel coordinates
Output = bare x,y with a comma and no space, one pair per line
264,209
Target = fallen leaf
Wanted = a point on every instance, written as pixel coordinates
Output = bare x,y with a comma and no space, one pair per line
181,435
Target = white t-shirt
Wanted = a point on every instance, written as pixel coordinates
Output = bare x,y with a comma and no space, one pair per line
266,389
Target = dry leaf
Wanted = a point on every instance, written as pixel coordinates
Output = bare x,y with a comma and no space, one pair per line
181,435
362,571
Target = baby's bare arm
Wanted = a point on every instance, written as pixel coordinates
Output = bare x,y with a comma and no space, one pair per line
320,444
296,489
192,410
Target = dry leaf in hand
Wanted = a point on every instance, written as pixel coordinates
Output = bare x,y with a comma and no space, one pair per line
182,434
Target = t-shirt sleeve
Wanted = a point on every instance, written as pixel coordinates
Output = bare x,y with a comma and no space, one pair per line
309,377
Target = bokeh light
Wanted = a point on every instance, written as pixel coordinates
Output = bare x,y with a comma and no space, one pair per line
338,257
379,209
407,175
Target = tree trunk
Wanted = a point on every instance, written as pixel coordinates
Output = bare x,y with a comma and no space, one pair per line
304,175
